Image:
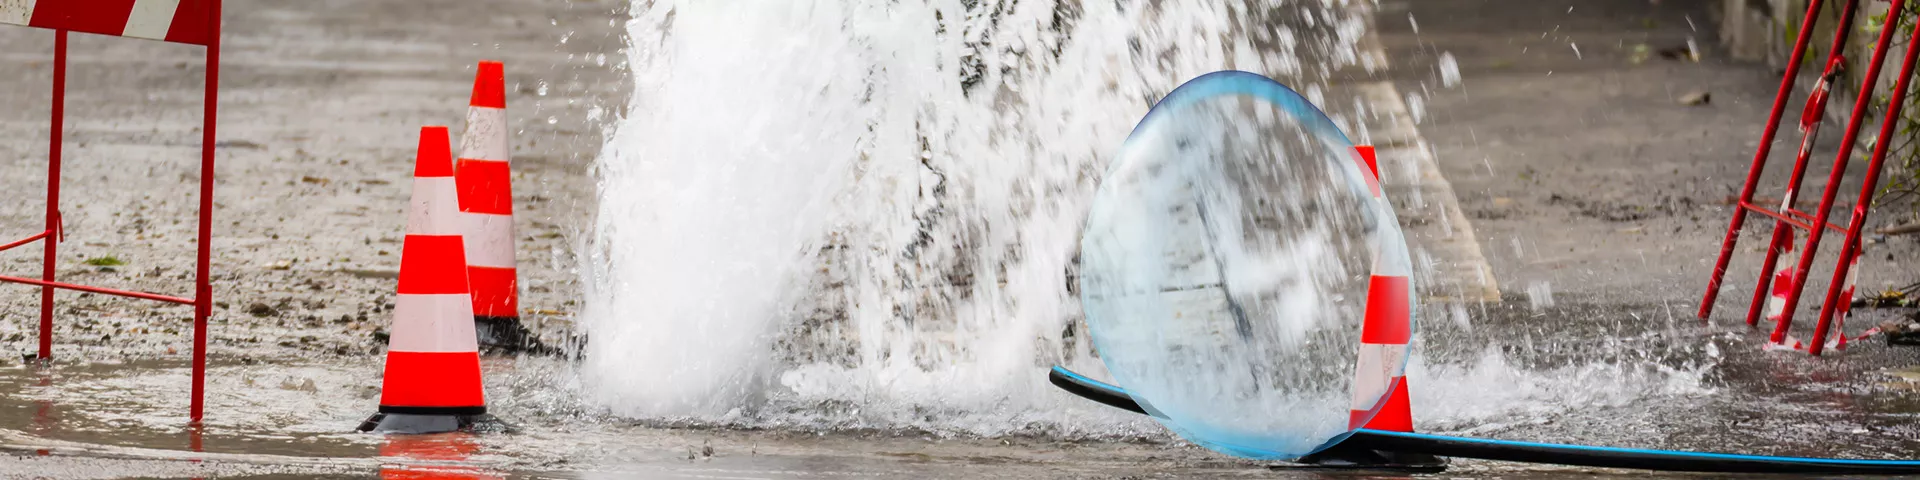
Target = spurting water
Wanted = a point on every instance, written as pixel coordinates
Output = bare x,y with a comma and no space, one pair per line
866,214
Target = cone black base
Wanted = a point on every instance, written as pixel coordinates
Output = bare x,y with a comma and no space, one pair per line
504,334
1347,457
408,423
507,335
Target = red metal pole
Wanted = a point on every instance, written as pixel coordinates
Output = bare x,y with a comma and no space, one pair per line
1851,246
99,290
1760,157
24,241
1839,168
202,286
1781,237
51,247
1810,131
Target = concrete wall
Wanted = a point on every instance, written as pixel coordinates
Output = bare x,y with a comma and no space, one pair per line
1752,29
1764,30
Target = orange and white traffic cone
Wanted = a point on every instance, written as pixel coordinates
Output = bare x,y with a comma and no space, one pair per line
432,381
1380,398
1384,336
486,199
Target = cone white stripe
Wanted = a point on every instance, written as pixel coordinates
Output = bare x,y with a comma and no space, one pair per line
1375,373
150,19
1383,266
490,240
17,12
423,219
486,135
433,323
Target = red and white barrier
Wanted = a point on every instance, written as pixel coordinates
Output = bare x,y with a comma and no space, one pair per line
194,22
179,21
486,199
1783,283
1844,308
433,360
1384,336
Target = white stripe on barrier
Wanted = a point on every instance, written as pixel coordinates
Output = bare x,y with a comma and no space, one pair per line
1374,373
434,210
150,19
489,240
17,12
486,135
433,323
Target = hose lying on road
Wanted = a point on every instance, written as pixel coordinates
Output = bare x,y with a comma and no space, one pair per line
1531,452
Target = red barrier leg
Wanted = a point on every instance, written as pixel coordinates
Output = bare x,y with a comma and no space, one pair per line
202,286
1851,246
52,241
1860,108
1760,155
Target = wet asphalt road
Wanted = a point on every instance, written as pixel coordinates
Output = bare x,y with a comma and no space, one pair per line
1612,358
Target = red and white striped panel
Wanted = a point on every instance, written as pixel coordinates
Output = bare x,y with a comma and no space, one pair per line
179,21
484,175
1380,399
433,354
1845,308
1783,282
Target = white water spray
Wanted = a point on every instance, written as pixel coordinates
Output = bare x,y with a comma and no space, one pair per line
865,214
877,204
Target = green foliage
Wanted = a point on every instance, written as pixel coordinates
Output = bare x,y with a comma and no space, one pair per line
106,261
1899,196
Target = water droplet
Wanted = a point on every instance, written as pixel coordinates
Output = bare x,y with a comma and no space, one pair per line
1540,295
1417,107
1449,70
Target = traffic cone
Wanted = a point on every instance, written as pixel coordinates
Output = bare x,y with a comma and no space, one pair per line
432,381
486,199
1380,399
1383,346
1384,336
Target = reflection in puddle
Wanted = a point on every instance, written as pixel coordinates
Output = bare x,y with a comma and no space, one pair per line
437,456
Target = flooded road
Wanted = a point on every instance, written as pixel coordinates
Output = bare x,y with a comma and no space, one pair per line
1696,389
1592,347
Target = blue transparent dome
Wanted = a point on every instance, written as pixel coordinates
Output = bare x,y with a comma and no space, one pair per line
1226,266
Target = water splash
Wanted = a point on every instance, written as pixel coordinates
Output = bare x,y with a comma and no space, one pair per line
876,205
865,214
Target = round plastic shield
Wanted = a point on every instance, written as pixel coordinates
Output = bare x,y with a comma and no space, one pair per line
1235,250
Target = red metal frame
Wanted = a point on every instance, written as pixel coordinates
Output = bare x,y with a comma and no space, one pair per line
54,233
1810,126
1815,224
1851,246
1760,155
